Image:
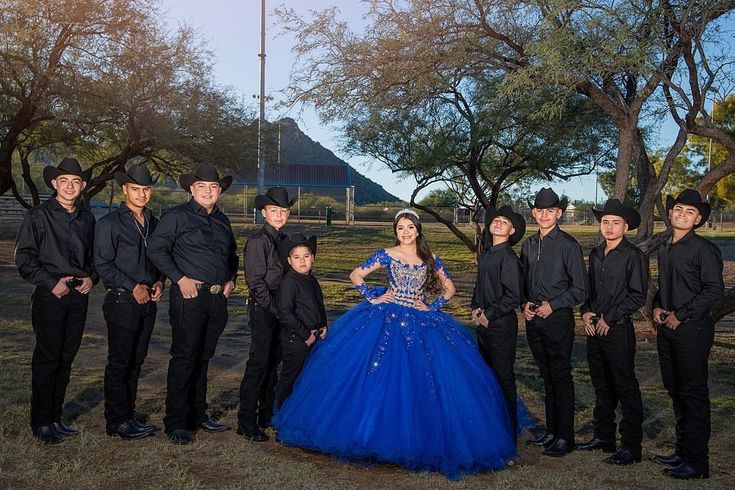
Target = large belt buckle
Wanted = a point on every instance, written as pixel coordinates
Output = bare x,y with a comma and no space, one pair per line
215,289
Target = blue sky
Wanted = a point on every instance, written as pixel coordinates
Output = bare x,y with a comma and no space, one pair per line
232,31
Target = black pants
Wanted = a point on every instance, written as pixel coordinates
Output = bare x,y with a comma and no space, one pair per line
293,354
611,361
683,354
196,325
129,328
550,340
257,389
58,324
497,344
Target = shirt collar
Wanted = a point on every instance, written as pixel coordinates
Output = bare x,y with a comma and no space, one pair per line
683,240
622,246
55,205
499,246
553,234
198,209
272,232
124,209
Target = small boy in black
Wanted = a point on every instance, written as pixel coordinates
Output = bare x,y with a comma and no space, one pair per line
498,292
301,311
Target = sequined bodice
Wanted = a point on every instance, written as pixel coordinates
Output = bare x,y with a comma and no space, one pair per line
405,280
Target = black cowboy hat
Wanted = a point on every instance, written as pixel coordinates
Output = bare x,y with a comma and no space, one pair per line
617,208
691,197
276,196
204,173
137,174
295,240
68,166
547,198
518,222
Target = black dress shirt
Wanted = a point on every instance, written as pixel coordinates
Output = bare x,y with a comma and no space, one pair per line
53,243
618,282
190,242
263,268
120,244
499,285
553,270
689,277
301,304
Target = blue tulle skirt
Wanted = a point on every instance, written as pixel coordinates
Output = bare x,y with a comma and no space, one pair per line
394,384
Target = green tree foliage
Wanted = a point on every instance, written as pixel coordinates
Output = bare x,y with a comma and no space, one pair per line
106,81
411,94
440,198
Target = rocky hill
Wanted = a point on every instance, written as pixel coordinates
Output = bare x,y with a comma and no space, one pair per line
296,148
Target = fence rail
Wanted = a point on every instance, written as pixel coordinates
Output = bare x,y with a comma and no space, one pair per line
233,206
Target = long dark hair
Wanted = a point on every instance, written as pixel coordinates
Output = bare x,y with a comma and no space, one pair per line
433,283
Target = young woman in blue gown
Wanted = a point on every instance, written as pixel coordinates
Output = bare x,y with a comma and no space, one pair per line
397,380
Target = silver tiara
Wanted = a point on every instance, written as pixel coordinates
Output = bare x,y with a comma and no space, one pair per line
406,211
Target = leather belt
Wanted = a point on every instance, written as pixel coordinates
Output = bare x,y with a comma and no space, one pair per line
211,288
118,291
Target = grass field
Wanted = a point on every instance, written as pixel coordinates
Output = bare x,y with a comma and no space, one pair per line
224,460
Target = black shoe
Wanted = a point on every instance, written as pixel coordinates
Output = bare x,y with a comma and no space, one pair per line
140,425
180,437
210,425
560,448
65,430
623,457
47,434
542,440
594,444
126,430
685,472
252,434
670,460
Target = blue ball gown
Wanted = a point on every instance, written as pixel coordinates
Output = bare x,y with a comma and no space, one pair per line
395,384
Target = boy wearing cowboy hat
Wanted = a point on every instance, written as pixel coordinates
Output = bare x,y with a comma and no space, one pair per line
555,282
263,272
134,286
54,253
618,274
689,286
301,311
193,245
497,294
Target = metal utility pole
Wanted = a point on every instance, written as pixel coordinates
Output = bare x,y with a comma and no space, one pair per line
261,119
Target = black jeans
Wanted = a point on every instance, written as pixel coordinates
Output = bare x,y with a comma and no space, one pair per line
257,389
196,325
497,345
611,360
129,328
58,324
550,340
683,355
294,352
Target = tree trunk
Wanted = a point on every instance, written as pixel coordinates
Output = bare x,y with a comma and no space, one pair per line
628,138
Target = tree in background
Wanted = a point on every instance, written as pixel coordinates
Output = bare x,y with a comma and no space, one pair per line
106,81
710,153
413,97
420,88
